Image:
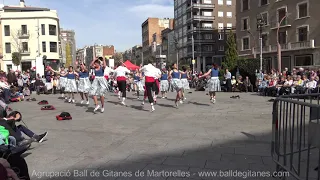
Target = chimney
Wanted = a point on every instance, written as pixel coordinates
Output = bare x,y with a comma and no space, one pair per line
22,4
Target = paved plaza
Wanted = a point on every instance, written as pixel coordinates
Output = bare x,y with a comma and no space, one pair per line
233,134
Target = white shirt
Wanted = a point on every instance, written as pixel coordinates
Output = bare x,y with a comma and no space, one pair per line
311,84
121,71
4,85
158,73
108,70
150,71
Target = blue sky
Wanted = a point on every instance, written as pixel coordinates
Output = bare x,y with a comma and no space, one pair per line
110,22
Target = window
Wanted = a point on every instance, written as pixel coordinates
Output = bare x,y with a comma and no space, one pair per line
282,12
220,2
245,24
43,29
265,17
220,14
25,47
229,25
7,30
221,36
303,10
245,43
264,40
53,47
283,37
220,25
44,46
53,30
207,2
305,60
8,47
208,36
24,30
207,48
229,14
264,2
229,2
206,13
221,48
245,5
303,34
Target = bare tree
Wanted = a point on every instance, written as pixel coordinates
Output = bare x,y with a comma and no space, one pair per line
17,39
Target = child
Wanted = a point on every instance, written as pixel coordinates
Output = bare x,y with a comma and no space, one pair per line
26,91
55,84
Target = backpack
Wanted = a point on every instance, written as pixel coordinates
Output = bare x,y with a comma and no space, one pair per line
5,134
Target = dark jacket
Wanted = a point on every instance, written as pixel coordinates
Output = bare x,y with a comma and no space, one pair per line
10,125
11,78
39,83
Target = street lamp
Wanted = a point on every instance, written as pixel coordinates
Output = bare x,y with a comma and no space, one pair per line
278,43
260,24
254,44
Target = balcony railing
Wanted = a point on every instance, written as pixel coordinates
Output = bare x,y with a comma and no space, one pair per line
25,51
202,6
284,23
287,47
23,34
201,17
200,29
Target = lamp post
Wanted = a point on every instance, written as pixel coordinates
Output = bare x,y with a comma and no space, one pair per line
260,24
254,44
278,43
177,50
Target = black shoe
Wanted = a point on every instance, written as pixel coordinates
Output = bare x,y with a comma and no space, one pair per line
41,137
24,142
232,97
237,96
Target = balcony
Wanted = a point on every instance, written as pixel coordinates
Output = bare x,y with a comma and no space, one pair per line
200,6
23,34
284,23
203,18
288,47
202,41
200,29
25,52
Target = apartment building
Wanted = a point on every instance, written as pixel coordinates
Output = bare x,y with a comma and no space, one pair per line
68,41
108,51
168,45
207,21
292,22
151,34
32,32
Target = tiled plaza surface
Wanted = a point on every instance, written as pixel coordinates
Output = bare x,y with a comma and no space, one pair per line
234,134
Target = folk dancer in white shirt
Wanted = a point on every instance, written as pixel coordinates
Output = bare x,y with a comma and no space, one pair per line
156,86
120,75
150,73
107,72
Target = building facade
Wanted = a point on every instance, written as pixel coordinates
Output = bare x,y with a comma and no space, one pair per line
169,46
151,34
108,51
33,32
292,23
68,45
202,24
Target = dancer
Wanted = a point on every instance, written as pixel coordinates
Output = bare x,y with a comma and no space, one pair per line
62,80
175,76
150,73
184,81
99,86
164,83
213,83
71,85
138,84
120,76
156,86
84,83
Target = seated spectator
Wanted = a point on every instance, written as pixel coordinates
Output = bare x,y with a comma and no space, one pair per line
239,85
16,131
280,84
311,85
298,86
20,83
40,86
26,91
233,81
263,86
272,87
15,93
286,88
5,88
248,85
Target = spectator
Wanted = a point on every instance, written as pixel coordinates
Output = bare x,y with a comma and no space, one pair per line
12,78
40,86
5,87
20,83
280,84
248,85
227,77
311,85
263,86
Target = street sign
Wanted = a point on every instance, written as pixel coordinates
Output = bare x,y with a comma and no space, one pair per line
193,61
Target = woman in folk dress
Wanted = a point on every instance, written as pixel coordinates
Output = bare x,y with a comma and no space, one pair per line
84,84
184,81
175,76
138,83
99,86
214,82
71,85
164,83
62,80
